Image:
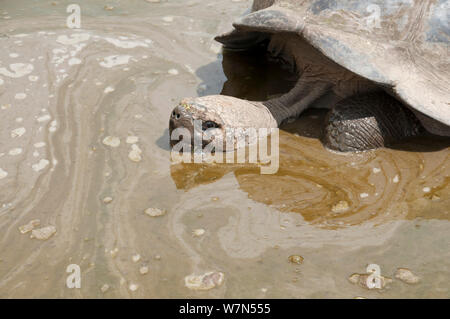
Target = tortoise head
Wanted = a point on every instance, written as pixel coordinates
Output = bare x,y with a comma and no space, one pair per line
215,121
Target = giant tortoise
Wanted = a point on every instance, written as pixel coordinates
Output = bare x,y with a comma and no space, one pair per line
381,66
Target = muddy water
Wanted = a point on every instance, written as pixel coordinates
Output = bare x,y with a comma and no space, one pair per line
65,93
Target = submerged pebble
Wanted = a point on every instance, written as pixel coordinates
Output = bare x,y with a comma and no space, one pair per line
406,275
107,200
133,287
30,226
136,258
155,212
113,252
435,197
108,89
168,19
132,139
43,233
40,165
206,281
361,280
15,151
3,173
135,153
340,207
104,288
143,270
198,232
111,141
18,132
296,259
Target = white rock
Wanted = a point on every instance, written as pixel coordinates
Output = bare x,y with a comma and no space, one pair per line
111,141
132,139
198,232
30,226
155,212
108,89
340,207
168,19
126,44
39,144
3,173
114,252
43,233
40,165
206,281
18,132
135,153
19,70
406,275
53,126
104,288
143,270
114,60
136,258
15,151
133,287
20,96
74,61
362,281
44,118
74,38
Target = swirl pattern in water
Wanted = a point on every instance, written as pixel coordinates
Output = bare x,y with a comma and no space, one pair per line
86,177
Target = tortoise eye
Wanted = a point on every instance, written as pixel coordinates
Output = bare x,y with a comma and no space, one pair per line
209,124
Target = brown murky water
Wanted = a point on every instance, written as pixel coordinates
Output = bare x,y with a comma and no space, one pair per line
63,91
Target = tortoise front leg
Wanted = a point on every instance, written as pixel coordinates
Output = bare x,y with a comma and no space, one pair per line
293,103
368,121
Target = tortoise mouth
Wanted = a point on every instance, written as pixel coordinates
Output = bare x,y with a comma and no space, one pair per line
184,128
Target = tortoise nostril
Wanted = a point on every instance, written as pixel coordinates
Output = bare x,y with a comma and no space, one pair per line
173,114
178,115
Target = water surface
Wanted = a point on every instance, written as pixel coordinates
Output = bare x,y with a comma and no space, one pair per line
63,91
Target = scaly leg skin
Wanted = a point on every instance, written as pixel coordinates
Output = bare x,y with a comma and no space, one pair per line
293,103
368,121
